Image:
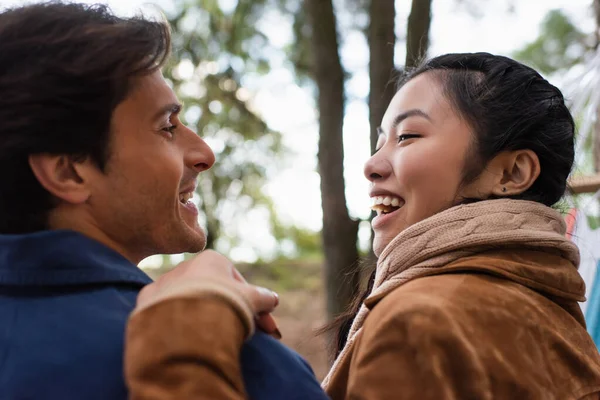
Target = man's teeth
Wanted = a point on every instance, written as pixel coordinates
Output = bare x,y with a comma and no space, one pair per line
185,197
386,204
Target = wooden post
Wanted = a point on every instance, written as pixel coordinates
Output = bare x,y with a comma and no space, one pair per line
584,184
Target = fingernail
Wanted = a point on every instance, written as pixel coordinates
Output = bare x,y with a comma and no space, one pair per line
270,292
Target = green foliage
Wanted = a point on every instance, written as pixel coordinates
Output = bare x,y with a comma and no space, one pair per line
298,53
351,15
560,45
593,221
218,52
281,275
307,245
215,50
284,275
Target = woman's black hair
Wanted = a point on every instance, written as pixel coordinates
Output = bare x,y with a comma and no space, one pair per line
510,107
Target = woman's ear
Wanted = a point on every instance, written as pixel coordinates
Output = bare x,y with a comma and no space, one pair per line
515,172
61,176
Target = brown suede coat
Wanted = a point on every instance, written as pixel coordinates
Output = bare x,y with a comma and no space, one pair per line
168,358
501,325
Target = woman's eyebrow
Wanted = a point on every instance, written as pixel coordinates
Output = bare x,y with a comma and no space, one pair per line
407,114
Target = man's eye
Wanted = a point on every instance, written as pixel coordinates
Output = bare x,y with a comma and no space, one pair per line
170,129
402,138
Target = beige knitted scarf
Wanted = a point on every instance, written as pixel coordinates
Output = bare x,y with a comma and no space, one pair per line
459,232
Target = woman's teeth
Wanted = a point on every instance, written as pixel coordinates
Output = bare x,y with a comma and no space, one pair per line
386,204
185,197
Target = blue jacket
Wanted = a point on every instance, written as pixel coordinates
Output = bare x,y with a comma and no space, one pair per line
64,303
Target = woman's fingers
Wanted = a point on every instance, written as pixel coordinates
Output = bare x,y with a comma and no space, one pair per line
264,321
267,323
238,276
264,300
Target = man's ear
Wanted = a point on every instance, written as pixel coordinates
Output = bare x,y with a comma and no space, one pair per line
61,176
516,171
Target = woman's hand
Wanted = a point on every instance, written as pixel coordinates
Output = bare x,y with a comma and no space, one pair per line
212,268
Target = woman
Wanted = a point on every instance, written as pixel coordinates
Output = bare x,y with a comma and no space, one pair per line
476,288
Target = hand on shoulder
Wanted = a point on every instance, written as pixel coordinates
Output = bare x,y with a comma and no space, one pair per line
212,274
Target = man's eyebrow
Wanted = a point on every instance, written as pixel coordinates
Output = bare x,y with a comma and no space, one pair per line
401,117
169,109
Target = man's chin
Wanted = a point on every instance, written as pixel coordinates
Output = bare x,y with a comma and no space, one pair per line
195,240
190,240
196,247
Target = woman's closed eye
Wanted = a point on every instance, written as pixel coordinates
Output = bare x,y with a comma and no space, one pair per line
407,136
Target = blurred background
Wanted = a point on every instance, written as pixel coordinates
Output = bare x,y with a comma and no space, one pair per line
288,94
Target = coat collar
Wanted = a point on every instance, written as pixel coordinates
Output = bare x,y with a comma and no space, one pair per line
546,273
62,257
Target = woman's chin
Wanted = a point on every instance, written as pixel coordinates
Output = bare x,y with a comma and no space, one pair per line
379,244
383,237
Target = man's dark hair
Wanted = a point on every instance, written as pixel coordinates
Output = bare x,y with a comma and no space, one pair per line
64,68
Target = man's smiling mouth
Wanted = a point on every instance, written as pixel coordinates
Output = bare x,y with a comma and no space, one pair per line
185,197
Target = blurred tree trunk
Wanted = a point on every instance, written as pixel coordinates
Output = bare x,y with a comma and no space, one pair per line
382,40
417,32
381,37
596,136
596,6
339,230
228,38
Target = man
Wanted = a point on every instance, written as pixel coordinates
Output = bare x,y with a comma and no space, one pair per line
97,174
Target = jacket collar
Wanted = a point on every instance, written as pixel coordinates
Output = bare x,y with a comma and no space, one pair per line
58,258
546,273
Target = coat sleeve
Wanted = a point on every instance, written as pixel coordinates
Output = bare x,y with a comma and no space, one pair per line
185,348
417,353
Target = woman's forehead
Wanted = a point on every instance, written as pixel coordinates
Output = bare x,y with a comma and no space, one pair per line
422,94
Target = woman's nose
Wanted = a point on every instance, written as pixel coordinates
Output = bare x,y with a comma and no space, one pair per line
377,167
